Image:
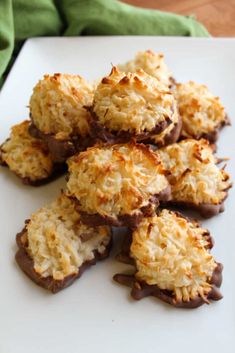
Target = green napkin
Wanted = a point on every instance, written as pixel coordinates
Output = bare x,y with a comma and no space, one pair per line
22,19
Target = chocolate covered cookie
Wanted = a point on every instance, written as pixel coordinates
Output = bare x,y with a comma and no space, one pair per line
117,184
55,247
171,255
58,115
196,180
131,105
202,113
28,157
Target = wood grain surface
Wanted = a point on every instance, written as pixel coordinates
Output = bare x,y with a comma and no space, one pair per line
218,16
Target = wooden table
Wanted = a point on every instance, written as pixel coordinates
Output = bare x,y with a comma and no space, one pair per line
218,16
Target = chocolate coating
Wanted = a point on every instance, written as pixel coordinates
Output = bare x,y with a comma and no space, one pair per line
170,138
120,221
99,132
206,210
2,162
173,82
126,220
27,266
212,136
61,149
141,290
124,255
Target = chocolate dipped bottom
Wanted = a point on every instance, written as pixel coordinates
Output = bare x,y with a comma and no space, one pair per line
100,132
27,266
140,290
168,137
61,150
205,210
212,136
125,220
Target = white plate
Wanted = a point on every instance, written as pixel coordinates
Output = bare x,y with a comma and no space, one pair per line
95,314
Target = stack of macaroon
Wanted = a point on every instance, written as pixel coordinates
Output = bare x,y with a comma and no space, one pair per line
135,144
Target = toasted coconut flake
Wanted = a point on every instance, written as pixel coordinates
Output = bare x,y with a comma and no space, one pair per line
57,105
115,180
193,174
59,243
173,253
153,64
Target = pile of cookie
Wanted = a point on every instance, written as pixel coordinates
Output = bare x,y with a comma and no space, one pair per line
134,145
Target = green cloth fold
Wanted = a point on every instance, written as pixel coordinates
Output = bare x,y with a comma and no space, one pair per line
22,19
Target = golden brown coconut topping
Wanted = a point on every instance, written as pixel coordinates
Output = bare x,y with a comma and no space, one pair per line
25,155
133,102
59,243
202,113
115,180
57,105
193,173
172,253
153,64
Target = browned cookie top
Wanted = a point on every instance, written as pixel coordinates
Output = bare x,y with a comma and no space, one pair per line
134,103
193,174
202,112
59,243
116,180
172,253
57,105
152,63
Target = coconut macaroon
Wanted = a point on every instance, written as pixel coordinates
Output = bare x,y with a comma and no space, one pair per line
58,114
117,184
55,247
173,262
202,113
28,157
196,181
153,64
130,105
